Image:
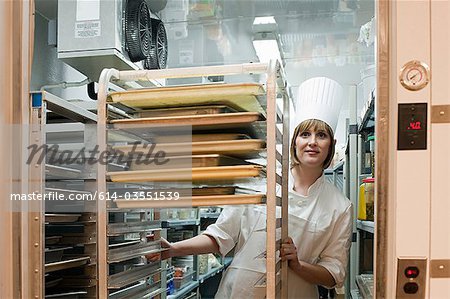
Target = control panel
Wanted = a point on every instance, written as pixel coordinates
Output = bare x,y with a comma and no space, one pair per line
412,126
411,278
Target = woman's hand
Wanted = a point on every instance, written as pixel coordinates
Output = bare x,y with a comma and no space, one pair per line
288,252
200,244
165,254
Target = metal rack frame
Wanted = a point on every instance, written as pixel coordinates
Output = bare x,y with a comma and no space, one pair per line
275,87
41,103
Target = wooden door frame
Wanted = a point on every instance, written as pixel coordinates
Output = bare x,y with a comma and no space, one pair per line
383,58
17,32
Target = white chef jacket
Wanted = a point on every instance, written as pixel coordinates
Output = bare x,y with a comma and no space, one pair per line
320,225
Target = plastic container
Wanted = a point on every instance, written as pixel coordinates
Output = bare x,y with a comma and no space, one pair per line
179,282
184,214
366,200
203,264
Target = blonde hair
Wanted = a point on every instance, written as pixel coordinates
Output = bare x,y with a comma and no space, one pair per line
316,125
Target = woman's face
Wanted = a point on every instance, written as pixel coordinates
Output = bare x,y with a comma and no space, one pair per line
312,146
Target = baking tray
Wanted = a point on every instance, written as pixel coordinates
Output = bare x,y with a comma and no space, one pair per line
54,254
52,240
116,243
79,239
67,295
241,96
179,111
213,191
235,148
193,161
59,172
52,282
218,200
57,218
124,278
197,122
78,282
65,192
187,174
132,251
139,291
115,229
195,201
200,137
71,229
66,264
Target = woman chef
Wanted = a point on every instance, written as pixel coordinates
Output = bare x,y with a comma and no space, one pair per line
320,217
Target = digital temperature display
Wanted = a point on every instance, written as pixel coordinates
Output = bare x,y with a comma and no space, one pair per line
416,125
412,126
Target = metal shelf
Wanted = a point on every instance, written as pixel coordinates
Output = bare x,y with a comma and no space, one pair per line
58,172
128,252
184,290
210,273
367,226
67,264
337,167
368,116
365,285
354,294
177,223
66,108
209,215
115,229
140,290
125,278
227,261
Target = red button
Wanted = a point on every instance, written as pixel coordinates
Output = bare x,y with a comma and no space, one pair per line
412,272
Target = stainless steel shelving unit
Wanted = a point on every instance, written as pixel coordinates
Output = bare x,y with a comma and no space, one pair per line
335,175
355,173
367,226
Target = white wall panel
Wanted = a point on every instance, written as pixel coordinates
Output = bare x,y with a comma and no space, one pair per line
440,196
413,167
440,141
440,205
412,203
409,206
439,288
440,46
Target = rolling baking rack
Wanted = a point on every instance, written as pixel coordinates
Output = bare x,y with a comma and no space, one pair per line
220,114
61,250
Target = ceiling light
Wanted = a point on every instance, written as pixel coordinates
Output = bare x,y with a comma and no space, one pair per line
264,24
265,39
264,20
267,49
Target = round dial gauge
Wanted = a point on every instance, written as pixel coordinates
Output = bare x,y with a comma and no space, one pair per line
414,75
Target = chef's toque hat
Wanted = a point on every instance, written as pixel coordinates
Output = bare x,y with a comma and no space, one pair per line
319,98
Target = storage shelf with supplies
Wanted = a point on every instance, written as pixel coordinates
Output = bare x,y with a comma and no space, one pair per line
359,173
368,114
